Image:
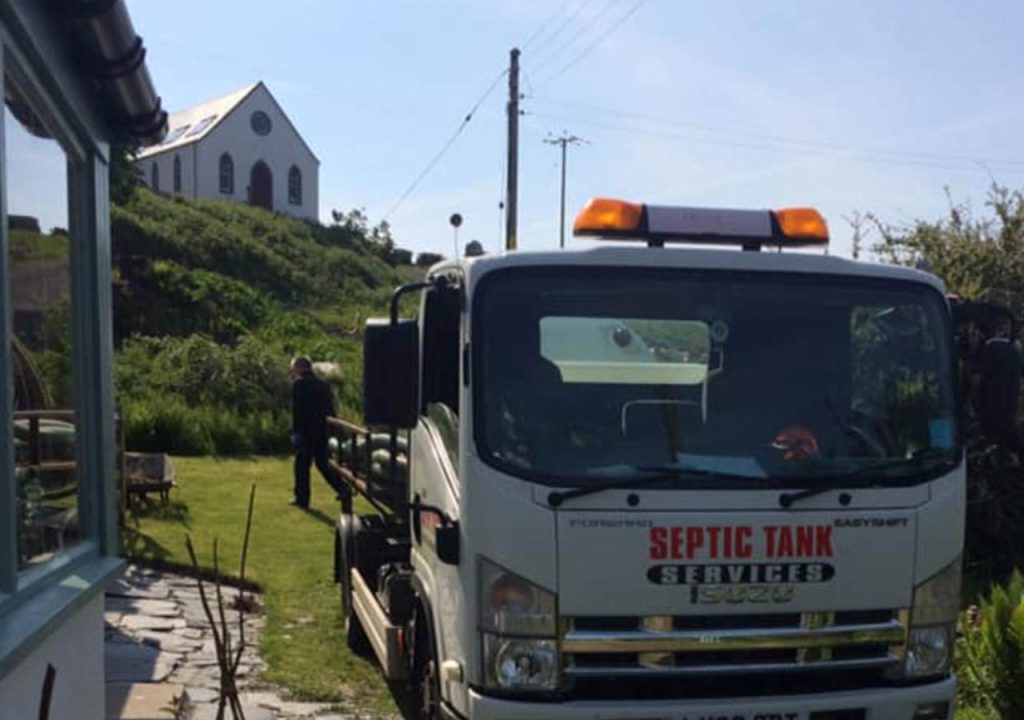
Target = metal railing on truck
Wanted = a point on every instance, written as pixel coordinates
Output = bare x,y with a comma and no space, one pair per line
373,464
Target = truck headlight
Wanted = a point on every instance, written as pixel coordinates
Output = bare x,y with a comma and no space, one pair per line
519,625
520,663
933,624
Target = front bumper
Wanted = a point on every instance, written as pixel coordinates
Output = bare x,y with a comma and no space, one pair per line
895,703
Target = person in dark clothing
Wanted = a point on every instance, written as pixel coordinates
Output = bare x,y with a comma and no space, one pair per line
311,406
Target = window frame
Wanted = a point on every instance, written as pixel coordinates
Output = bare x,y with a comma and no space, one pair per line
61,584
256,123
226,171
451,327
176,174
294,185
201,126
176,134
154,176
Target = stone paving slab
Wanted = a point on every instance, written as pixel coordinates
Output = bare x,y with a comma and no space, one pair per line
138,588
128,701
157,631
170,641
133,622
143,606
137,663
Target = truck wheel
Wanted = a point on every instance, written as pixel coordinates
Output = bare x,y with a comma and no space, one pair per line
425,676
355,635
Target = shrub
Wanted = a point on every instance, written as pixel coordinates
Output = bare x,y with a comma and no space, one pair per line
163,425
213,299
170,425
990,663
164,298
290,260
193,396
426,259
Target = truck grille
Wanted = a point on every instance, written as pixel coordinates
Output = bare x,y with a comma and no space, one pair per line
714,646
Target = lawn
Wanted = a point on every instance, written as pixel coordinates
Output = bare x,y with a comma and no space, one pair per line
290,556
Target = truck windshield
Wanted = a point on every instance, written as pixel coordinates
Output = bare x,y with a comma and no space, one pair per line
582,376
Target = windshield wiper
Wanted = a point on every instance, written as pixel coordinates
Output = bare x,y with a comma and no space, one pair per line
652,474
919,461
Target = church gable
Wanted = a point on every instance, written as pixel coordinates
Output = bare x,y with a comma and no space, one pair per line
241,147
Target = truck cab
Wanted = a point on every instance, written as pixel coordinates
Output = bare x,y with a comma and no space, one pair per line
654,481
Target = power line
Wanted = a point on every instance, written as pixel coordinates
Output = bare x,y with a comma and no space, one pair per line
597,41
776,141
562,25
501,198
540,30
580,31
444,148
947,164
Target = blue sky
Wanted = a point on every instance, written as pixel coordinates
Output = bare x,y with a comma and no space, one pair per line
872,106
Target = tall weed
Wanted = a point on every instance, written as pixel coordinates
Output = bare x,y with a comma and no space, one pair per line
990,661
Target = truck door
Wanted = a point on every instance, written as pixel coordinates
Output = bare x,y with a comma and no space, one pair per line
435,461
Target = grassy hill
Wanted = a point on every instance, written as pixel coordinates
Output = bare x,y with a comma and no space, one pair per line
211,301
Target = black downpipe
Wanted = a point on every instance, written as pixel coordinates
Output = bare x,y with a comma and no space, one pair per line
108,51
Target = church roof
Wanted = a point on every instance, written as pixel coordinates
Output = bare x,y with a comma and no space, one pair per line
195,123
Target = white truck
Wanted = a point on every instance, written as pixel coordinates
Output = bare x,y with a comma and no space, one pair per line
673,483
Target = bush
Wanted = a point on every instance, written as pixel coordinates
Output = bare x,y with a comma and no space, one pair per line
990,663
426,259
193,396
170,425
290,260
212,301
980,256
164,298
163,425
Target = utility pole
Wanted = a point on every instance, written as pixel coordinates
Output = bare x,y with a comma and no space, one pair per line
512,189
565,140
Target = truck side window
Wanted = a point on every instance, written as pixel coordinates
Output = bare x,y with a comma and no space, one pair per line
441,360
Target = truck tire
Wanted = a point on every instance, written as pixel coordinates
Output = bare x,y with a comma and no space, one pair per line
425,675
355,635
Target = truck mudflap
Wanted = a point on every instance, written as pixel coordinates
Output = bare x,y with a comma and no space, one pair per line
893,703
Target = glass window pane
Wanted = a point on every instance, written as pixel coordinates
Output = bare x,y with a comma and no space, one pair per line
295,186
584,376
40,298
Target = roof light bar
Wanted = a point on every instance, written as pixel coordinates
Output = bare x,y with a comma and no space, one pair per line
658,224
603,215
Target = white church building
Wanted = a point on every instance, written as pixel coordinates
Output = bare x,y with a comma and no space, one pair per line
240,147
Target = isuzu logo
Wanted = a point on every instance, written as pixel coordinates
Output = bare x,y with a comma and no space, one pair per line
741,595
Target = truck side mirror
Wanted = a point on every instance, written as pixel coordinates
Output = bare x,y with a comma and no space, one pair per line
446,530
391,376
447,540
999,387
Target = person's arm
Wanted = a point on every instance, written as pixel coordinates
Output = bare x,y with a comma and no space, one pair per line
297,409
330,403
